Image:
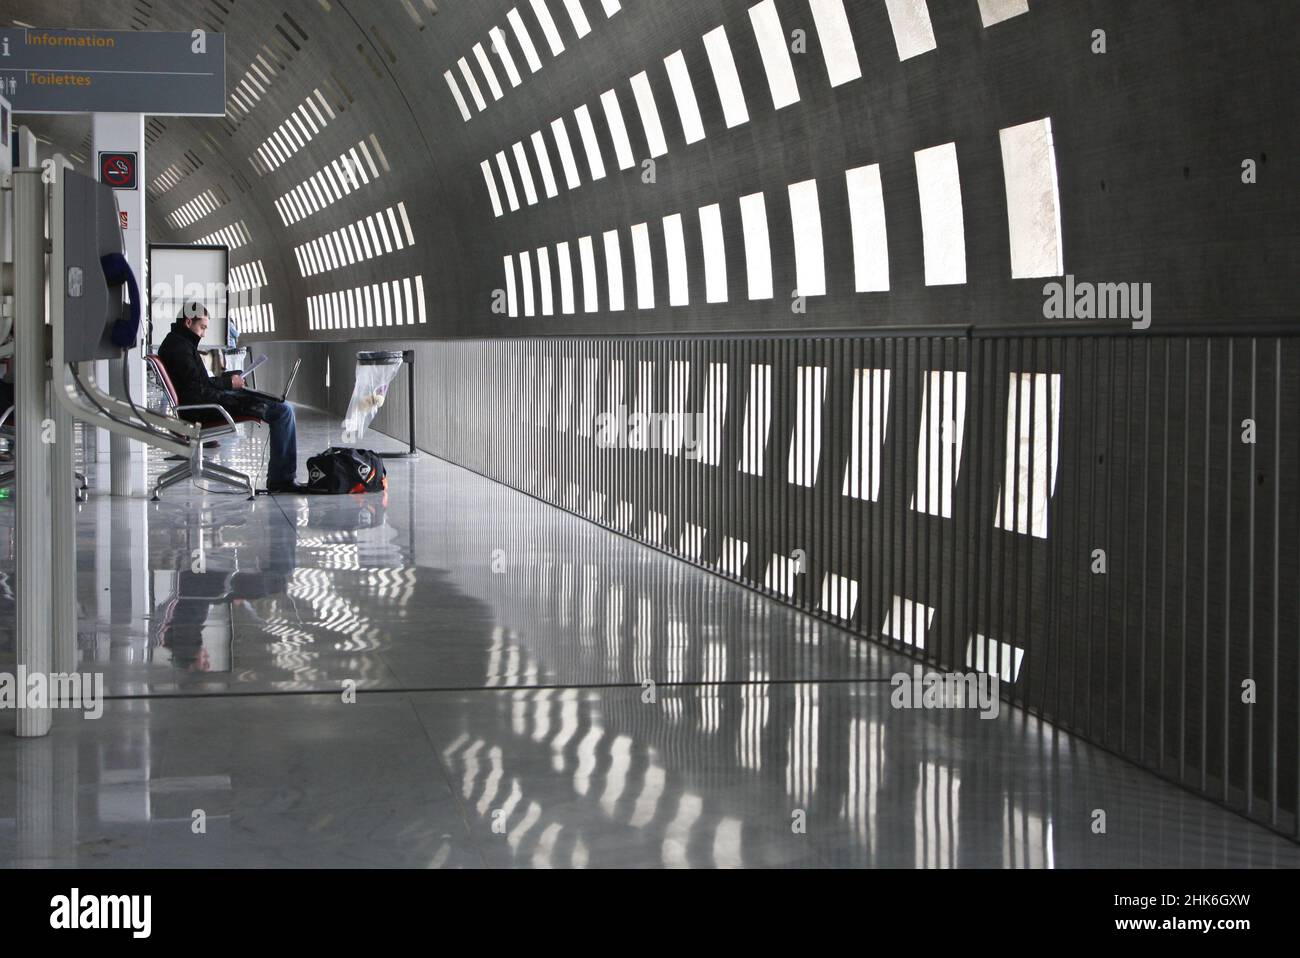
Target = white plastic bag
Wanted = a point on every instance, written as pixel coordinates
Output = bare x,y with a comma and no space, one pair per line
368,397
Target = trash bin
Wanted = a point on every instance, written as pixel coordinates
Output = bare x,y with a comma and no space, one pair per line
376,370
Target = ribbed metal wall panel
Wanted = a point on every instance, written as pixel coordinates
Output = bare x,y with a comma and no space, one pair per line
1199,527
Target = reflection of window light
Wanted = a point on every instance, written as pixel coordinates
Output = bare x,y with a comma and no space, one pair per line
981,652
867,213
908,621
1033,199
567,159
692,541
714,249
675,255
806,443
578,16
489,74
525,174
544,164
809,257
734,554
867,434
656,523
774,53
565,267
723,63
679,385
383,231
645,104
645,280
548,26
406,224
836,41
370,160
1033,426
392,222
512,304
910,20
995,11
758,251
780,575
588,132
614,270
472,85
492,188
617,130
503,52
839,596
320,200
942,223
526,278
758,420
715,415
544,280
590,295
525,40
684,93
359,241
333,191
507,181
644,402
943,426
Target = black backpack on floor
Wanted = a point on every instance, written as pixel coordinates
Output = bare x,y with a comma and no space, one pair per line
339,470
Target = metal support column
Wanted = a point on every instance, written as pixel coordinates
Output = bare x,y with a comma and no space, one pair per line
62,475
32,460
125,131
63,556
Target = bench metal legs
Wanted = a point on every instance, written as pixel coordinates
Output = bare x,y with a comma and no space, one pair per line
199,468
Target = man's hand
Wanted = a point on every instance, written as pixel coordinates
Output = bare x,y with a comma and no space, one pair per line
236,381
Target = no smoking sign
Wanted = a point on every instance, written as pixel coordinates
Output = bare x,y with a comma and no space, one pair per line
117,170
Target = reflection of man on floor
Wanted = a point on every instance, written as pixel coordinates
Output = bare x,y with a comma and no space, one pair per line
197,593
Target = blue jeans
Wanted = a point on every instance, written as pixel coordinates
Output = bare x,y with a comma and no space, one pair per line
283,469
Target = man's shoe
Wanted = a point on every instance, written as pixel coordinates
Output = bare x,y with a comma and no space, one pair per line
287,489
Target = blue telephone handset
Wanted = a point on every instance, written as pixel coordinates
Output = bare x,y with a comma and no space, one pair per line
117,271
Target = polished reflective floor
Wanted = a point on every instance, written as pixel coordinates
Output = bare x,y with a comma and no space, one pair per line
530,690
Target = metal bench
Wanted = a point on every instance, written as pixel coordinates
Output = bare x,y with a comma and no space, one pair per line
212,427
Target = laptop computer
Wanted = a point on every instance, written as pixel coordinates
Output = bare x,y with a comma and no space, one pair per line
284,396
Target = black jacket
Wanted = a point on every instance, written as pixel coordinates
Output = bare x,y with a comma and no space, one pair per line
179,352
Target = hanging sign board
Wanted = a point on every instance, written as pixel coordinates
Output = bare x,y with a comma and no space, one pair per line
113,71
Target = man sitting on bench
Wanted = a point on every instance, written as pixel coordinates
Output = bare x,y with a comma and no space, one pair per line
179,353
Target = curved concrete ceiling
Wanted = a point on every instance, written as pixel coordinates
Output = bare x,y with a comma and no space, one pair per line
852,151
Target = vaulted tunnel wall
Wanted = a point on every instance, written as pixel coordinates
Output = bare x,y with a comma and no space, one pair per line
1148,142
